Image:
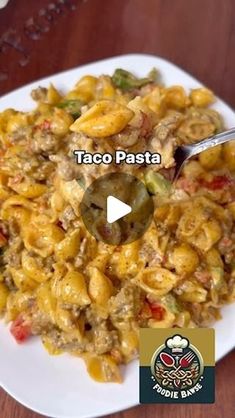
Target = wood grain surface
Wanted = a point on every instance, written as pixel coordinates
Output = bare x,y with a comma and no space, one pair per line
39,38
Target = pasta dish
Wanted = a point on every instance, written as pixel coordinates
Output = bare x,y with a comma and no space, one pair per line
81,295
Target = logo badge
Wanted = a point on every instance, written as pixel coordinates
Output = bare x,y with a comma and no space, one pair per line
177,371
177,364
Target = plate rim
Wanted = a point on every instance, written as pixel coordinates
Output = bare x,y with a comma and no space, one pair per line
103,60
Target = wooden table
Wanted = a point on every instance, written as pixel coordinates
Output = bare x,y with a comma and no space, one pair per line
38,39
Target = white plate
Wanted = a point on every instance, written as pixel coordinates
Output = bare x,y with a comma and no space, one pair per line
3,3
59,386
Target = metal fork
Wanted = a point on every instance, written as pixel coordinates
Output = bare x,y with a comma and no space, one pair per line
185,152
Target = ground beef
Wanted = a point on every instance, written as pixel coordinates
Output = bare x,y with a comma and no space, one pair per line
9,281
150,256
67,217
126,138
66,341
20,134
125,306
13,230
45,142
104,341
94,319
67,169
41,322
39,94
12,255
44,171
4,228
36,166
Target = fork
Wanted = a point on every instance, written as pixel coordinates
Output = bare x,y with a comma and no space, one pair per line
185,152
187,359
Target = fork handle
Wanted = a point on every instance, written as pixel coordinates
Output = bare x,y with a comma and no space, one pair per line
212,141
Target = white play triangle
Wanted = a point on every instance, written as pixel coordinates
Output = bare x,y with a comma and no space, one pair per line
116,209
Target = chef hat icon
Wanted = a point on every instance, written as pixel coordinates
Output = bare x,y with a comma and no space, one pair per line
177,344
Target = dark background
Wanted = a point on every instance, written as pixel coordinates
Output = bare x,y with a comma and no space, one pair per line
197,35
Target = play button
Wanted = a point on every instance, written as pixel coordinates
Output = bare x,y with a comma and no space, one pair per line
117,208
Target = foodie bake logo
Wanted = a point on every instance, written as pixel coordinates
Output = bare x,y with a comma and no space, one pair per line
177,371
177,365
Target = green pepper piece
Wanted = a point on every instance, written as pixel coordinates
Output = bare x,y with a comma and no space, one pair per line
127,81
73,107
81,182
171,303
156,183
217,274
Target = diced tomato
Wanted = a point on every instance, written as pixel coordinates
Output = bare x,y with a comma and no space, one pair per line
9,144
44,126
218,182
202,276
20,329
105,231
152,310
168,173
226,242
60,225
17,179
189,186
146,126
157,311
3,240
